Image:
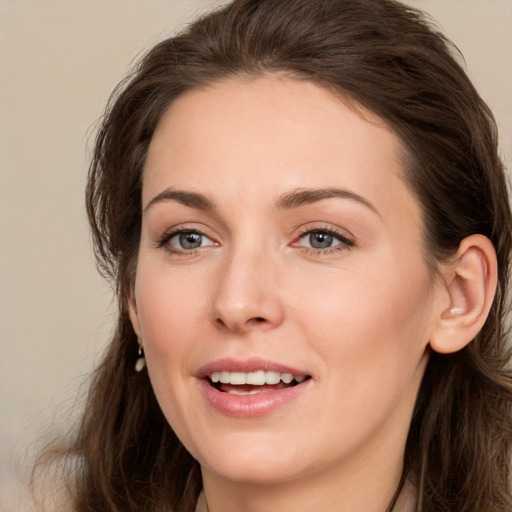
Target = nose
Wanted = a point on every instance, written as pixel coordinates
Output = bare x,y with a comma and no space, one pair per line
247,296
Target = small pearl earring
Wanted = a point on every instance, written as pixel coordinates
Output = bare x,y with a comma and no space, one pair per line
141,361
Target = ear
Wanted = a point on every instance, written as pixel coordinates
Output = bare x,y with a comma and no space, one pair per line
470,282
132,310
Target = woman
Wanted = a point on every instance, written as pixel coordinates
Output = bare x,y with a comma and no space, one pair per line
303,210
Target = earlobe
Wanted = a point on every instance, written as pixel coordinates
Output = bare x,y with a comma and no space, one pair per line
470,282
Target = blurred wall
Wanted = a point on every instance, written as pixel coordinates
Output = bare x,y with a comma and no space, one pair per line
59,61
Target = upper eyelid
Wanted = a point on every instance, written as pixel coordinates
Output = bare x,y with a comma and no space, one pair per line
186,227
334,230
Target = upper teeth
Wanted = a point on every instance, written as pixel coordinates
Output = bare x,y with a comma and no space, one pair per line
258,378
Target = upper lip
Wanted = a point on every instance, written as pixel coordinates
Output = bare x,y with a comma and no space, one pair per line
246,366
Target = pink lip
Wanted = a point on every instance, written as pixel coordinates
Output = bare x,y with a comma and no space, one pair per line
249,406
247,365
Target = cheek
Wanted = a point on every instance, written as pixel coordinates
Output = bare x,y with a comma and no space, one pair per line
170,311
368,323
369,334
170,308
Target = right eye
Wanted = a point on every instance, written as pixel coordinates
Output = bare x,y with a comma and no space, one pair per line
188,240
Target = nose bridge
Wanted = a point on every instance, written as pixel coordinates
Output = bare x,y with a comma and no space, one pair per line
247,294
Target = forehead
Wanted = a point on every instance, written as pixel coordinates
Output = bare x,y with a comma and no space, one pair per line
261,136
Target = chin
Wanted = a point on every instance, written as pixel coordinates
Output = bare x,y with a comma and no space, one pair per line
242,471
252,462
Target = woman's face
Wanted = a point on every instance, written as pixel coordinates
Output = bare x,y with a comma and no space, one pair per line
279,242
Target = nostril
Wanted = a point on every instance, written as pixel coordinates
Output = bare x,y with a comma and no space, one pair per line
256,320
220,322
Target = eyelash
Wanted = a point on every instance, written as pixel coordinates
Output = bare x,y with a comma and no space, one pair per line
345,242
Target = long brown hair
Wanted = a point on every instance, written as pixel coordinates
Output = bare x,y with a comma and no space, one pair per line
391,59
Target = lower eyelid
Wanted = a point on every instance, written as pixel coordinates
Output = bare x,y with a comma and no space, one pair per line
318,253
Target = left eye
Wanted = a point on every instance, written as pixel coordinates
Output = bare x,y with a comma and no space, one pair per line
187,240
320,240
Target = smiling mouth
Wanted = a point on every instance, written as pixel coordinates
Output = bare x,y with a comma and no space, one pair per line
253,383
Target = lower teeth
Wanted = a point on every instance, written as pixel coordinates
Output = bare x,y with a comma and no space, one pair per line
244,393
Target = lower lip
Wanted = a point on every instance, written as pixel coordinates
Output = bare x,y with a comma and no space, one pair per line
250,406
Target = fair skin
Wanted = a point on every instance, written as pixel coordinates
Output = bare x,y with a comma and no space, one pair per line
244,265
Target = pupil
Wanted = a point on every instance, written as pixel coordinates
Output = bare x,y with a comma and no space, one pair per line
320,240
190,240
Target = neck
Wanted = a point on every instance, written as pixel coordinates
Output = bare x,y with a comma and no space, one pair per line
408,499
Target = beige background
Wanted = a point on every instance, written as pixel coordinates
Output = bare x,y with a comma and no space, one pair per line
59,60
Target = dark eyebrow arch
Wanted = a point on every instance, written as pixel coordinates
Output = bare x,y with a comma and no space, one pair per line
304,196
191,199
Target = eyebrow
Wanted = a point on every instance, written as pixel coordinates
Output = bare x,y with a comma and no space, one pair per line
191,199
304,196
287,201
